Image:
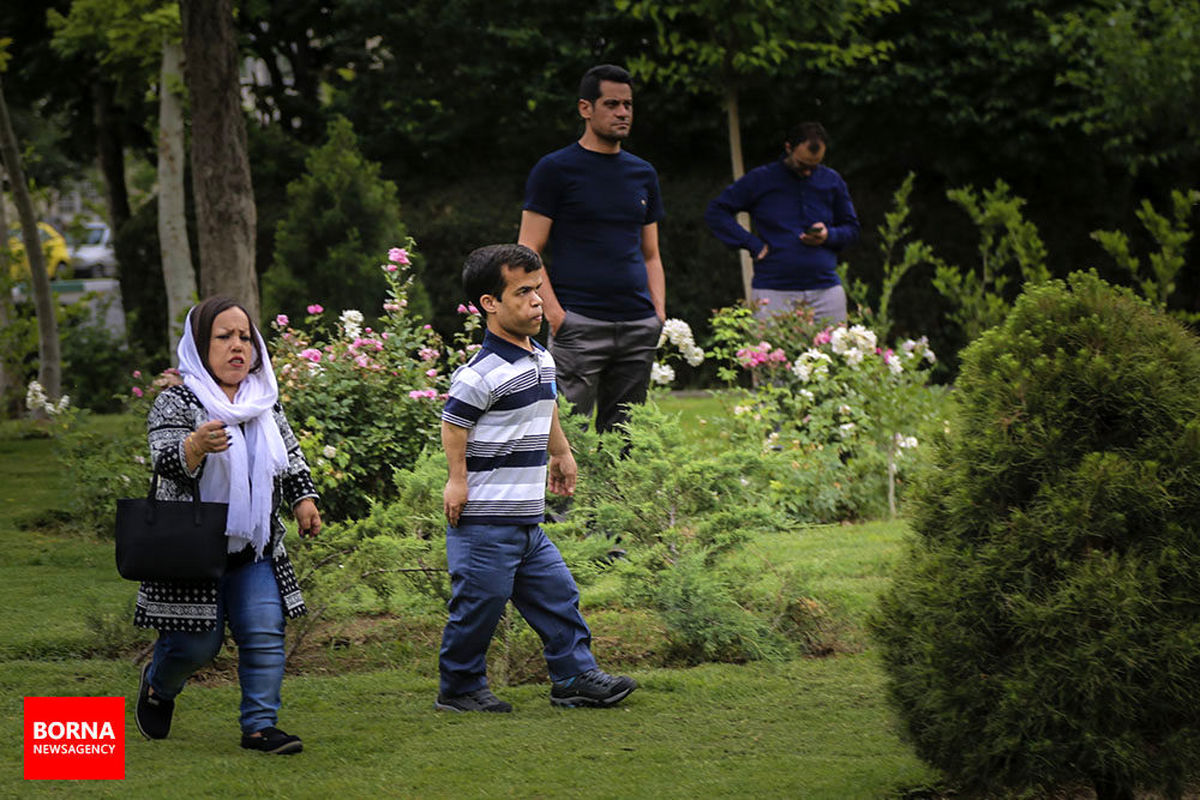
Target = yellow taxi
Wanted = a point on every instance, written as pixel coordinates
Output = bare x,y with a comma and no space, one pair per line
54,250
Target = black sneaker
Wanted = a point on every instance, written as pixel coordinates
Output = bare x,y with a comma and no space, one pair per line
153,714
273,740
592,688
478,700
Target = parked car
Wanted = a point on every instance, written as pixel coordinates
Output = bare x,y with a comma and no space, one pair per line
94,257
54,250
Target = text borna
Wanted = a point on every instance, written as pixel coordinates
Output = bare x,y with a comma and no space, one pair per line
86,731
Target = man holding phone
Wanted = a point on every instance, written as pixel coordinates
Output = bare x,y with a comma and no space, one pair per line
802,215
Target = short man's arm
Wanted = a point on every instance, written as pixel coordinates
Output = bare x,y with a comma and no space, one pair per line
454,496
534,233
721,217
563,471
656,279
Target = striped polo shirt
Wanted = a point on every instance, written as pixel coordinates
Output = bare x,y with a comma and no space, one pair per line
505,397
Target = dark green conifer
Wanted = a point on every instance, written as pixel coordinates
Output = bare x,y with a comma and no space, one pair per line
1044,631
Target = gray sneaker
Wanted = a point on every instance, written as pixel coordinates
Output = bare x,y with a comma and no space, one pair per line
592,688
478,700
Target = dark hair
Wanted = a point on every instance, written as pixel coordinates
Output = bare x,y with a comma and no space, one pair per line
589,87
807,132
202,323
483,271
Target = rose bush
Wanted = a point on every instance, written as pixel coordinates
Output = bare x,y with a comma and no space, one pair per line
363,402
828,391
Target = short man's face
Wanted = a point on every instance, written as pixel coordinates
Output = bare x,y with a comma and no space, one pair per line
609,116
804,157
518,310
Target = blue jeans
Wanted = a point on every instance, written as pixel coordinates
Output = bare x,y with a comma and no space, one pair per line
248,597
490,564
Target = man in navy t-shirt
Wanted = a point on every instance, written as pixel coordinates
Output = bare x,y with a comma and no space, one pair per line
802,215
596,209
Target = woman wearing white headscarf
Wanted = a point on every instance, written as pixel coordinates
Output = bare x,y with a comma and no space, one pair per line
224,428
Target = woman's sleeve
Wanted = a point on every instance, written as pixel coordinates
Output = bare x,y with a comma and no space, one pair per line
170,420
296,482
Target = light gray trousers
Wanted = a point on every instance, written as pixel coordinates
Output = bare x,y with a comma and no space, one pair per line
828,304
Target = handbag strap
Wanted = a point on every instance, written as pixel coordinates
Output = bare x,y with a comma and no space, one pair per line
152,499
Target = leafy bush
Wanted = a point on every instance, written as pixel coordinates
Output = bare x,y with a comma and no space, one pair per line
341,214
1045,628
830,397
108,464
362,402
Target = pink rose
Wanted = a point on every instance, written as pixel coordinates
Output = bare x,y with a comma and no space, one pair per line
137,392
311,354
281,320
315,309
137,373
398,255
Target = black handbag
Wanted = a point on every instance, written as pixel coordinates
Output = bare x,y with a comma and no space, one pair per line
171,540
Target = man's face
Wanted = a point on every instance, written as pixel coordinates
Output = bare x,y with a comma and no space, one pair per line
610,115
804,157
518,310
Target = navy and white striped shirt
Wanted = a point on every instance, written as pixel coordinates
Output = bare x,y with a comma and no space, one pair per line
505,397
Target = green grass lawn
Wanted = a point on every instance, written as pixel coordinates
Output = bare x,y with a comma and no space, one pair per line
812,728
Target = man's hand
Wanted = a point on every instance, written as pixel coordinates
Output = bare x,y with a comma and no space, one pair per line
554,316
762,253
818,238
308,518
562,474
454,497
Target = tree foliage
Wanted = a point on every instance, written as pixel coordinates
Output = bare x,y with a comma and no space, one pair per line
1045,627
341,216
1138,64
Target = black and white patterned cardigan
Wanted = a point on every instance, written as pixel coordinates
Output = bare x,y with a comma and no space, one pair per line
192,605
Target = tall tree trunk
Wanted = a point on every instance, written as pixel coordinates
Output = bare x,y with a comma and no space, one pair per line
739,169
50,357
225,212
110,155
178,274
8,372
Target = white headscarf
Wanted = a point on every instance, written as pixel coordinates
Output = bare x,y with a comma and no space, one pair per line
243,475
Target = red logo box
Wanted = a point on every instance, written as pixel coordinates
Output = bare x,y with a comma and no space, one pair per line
74,738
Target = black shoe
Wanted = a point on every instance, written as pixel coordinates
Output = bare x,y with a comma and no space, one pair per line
153,714
592,688
478,700
273,740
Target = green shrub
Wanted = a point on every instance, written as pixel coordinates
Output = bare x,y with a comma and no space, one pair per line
341,216
363,402
1045,628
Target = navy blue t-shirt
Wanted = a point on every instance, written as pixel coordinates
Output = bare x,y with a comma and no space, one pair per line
599,203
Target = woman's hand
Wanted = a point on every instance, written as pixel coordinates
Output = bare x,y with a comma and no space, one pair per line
307,518
211,437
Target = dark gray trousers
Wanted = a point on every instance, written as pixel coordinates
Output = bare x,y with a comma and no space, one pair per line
604,366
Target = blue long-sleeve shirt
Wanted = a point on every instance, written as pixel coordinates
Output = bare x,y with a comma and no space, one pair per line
782,205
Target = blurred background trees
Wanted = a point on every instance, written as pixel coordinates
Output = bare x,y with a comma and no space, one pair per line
1083,110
